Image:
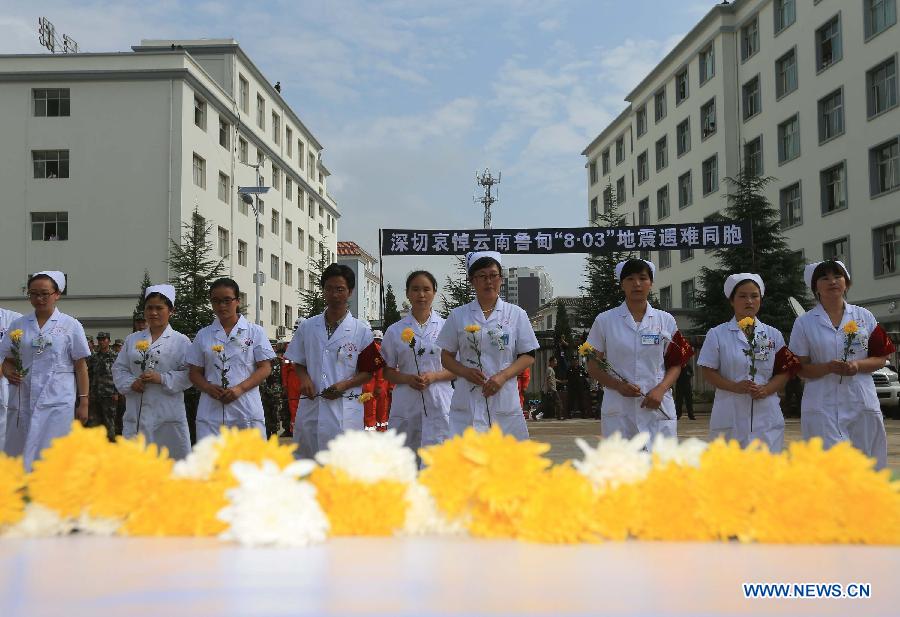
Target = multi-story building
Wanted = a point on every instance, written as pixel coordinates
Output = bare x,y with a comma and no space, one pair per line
528,287
365,302
105,155
805,92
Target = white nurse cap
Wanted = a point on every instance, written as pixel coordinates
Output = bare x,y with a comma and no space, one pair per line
476,255
166,290
58,277
621,265
810,268
735,279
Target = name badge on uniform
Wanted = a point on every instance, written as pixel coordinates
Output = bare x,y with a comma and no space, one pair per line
649,339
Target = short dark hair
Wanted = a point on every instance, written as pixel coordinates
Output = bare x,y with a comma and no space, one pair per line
225,282
335,270
741,282
829,266
159,296
425,273
484,262
635,266
35,277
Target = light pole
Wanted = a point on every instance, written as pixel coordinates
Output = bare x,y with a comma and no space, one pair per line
245,192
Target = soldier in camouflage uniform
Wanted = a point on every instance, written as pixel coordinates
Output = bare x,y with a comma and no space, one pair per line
104,396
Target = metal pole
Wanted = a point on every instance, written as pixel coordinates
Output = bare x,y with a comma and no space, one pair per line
256,277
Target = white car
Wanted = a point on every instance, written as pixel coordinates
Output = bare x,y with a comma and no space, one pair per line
887,385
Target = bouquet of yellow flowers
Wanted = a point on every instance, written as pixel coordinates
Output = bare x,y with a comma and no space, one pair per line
16,337
851,331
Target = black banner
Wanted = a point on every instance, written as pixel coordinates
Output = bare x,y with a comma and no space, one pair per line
566,239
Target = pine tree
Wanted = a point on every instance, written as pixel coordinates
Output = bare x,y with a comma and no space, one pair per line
457,290
769,255
562,328
138,312
312,297
391,314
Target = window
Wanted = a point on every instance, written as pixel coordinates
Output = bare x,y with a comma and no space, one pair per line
259,256
662,153
884,167
200,112
276,128
881,87
789,139
289,141
708,119
659,104
224,134
665,259
275,221
274,314
620,191
312,165
260,112
662,203
301,239
879,16
594,211
593,171
750,38
321,229
288,188
751,98
50,102
300,154
311,204
49,226
224,187
288,274
685,197
831,115
223,242
791,207
311,281
686,254
242,207
683,137
641,120
620,150
243,150
604,158
50,163
682,90
261,230
644,211
242,253
275,269
834,188
711,175
753,160
199,171
828,43
707,64
276,178
785,14
665,294
786,74
300,279
288,231
644,254
643,167
244,94
887,249
837,249
321,210
607,199
300,199
312,245
687,294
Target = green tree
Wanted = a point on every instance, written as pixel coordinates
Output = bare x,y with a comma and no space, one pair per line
769,255
391,314
312,297
138,312
457,289
562,328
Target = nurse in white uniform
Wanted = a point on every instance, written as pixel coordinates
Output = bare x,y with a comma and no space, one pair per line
6,317
747,408
839,398
334,355
234,401
53,349
487,394
644,346
420,407
154,396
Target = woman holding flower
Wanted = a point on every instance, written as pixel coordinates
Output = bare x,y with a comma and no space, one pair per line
421,404
229,376
839,345
6,317
748,364
152,372
487,343
44,358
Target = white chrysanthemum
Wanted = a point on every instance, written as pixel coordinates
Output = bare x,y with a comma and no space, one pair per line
199,464
423,517
271,506
615,460
687,453
40,522
370,456
98,526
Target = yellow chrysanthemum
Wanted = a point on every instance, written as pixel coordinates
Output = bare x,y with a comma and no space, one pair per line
561,509
63,478
851,327
585,349
617,511
365,397
472,328
407,335
249,446
668,505
12,488
16,336
746,323
142,345
179,507
357,508
217,348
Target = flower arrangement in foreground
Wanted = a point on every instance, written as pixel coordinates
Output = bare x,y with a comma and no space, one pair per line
243,488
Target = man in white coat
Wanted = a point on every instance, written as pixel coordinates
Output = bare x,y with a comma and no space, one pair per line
6,317
333,356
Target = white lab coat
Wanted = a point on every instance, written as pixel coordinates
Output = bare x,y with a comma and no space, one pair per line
406,404
724,350
838,410
637,352
163,419
246,345
503,337
328,361
42,408
6,317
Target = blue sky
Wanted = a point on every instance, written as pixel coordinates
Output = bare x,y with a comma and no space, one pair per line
410,98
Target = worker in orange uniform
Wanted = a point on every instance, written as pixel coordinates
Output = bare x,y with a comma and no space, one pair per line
524,378
377,410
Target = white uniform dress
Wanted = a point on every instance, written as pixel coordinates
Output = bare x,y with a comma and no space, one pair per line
637,352
406,404
328,361
725,350
42,408
244,347
161,406
503,337
838,410
6,317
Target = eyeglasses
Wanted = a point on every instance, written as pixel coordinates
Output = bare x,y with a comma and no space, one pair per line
221,301
493,276
42,295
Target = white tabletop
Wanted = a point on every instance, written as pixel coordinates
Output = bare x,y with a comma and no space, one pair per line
119,577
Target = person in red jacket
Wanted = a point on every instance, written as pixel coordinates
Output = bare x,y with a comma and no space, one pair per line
377,410
290,381
524,379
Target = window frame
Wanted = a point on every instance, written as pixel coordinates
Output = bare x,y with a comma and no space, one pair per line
758,98
783,159
780,89
836,57
704,135
63,103
782,206
877,265
714,185
690,193
663,191
43,158
842,165
707,58
872,113
664,140
59,223
821,119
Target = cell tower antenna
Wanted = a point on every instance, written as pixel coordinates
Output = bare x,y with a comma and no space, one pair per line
487,182
47,37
